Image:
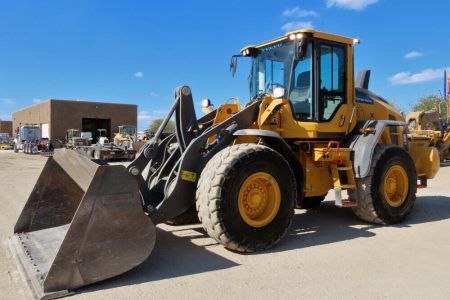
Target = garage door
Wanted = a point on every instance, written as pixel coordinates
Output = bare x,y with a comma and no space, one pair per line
92,125
45,131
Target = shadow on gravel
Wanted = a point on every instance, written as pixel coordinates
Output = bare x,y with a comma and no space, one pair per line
323,225
329,224
445,164
175,255
428,209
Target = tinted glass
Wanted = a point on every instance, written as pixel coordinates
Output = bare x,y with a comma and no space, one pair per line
333,68
301,95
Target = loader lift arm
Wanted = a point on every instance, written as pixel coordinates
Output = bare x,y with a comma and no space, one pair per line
175,163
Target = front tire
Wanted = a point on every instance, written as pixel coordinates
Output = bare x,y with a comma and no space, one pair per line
388,193
246,197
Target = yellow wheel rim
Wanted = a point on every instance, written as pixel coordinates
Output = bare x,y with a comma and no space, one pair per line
395,186
259,199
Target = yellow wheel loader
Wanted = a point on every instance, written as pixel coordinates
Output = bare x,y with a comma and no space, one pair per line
427,125
126,136
307,129
75,139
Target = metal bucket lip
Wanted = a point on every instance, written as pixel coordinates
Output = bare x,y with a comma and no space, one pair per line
34,290
100,221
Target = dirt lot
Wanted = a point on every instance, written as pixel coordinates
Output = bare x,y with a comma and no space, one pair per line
327,253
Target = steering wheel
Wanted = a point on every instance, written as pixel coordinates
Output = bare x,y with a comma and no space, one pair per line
270,85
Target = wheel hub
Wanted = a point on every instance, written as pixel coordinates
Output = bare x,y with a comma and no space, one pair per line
395,186
259,199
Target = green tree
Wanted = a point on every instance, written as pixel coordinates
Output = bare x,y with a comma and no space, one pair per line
154,126
431,102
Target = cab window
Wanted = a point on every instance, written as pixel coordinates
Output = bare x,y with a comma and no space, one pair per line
333,68
301,95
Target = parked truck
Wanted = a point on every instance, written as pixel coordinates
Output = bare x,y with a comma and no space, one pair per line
27,139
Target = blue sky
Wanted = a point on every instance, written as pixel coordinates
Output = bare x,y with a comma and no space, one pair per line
139,51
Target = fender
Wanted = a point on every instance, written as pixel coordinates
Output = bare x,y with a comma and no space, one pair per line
276,142
363,144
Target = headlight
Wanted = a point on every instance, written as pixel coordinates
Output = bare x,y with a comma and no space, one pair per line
206,103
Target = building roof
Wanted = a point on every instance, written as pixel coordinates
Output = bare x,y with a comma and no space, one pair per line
75,101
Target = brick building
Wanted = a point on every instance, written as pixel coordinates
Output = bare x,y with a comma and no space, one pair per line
6,127
56,116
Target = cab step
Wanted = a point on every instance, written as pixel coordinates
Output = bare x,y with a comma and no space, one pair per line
339,202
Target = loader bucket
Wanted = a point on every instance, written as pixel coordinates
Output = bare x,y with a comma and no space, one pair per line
82,223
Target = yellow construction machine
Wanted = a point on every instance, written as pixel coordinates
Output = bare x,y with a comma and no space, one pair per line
308,128
5,142
126,136
429,126
74,138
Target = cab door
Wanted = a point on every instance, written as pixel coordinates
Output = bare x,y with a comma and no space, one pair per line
334,95
321,94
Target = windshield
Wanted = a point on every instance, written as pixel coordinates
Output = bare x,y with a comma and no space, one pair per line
102,132
271,69
30,133
128,130
73,133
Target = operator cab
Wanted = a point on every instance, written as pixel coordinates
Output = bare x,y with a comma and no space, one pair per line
314,71
127,130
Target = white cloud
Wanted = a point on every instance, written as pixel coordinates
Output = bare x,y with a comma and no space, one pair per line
5,117
351,4
413,54
138,74
154,95
8,101
37,100
423,76
296,12
296,25
146,116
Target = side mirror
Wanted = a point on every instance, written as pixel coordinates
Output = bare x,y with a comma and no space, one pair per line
233,64
206,103
300,50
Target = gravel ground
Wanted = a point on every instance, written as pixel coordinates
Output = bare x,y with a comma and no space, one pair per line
327,254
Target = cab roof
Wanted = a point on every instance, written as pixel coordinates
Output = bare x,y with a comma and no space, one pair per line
314,33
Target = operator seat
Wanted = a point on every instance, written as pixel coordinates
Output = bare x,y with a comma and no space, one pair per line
301,96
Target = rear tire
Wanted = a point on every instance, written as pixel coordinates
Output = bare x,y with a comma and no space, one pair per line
246,197
16,149
387,194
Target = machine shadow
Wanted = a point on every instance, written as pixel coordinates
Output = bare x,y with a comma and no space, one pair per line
428,209
176,255
445,164
326,224
329,224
